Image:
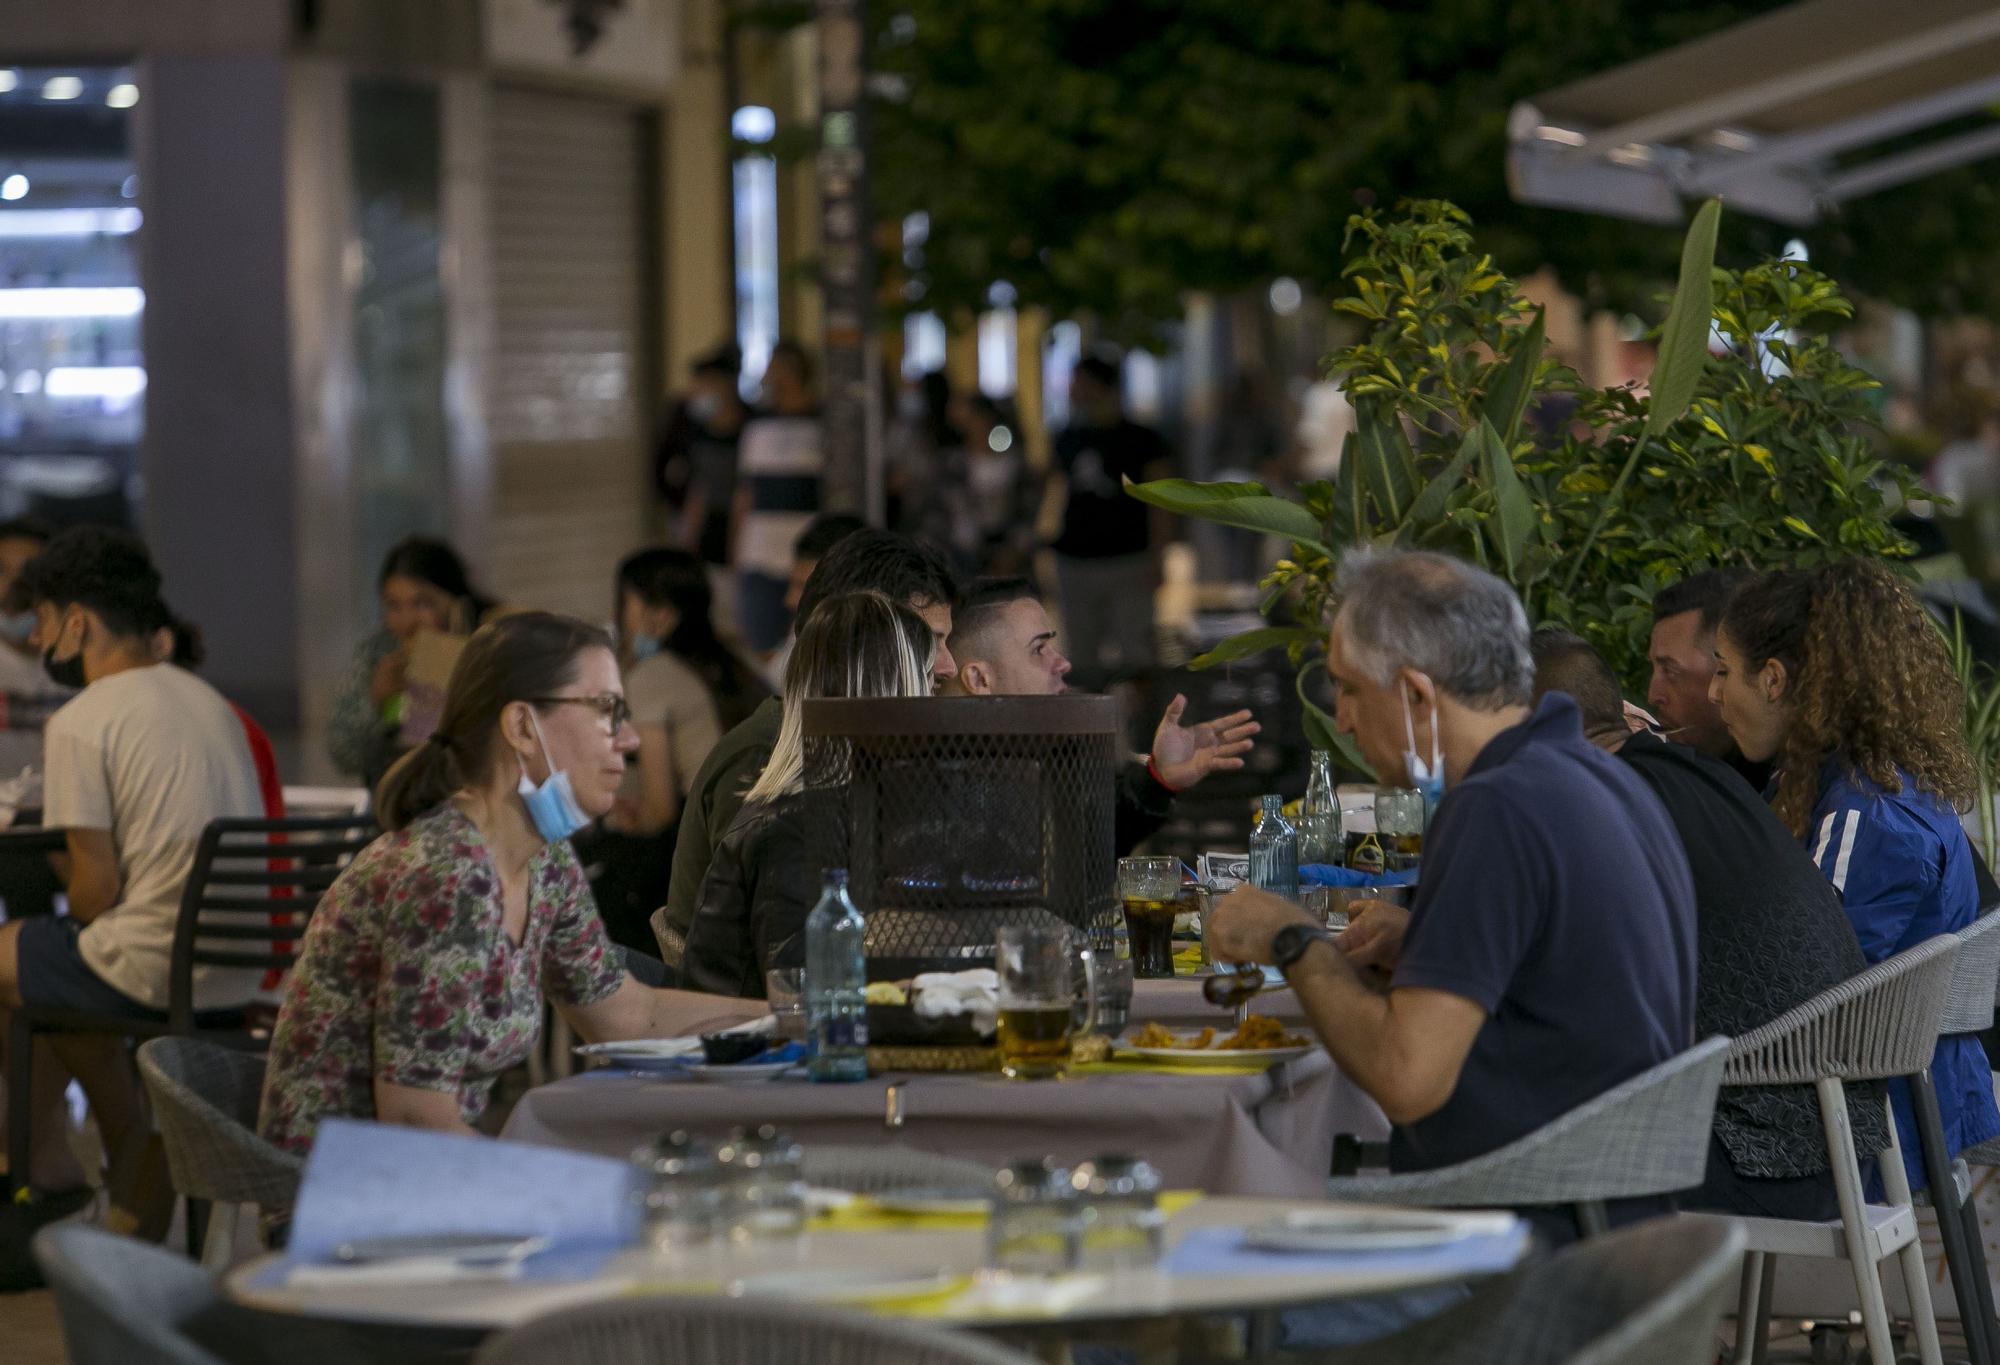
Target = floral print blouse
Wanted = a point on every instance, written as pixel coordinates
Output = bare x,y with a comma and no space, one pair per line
408,976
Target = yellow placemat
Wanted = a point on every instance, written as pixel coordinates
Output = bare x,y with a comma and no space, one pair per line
1121,1066
865,1215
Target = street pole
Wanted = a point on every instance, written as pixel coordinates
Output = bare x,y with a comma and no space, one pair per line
850,422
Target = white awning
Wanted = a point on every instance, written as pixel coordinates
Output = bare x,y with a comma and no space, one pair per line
1776,115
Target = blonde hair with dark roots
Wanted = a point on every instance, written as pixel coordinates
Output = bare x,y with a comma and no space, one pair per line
1870,682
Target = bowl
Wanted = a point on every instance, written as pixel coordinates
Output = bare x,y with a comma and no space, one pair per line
727,1049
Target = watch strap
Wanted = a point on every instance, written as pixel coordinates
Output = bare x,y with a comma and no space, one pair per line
1291,943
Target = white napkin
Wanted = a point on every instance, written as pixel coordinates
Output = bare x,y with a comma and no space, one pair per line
940,995
997,1292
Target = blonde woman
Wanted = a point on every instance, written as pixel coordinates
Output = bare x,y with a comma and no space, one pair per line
762,883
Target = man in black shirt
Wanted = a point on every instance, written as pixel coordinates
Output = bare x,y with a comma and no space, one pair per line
1107,555
1769,935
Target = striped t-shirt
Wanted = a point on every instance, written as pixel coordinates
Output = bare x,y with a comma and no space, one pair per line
780,464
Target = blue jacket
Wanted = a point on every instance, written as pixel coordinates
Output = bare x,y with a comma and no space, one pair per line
1903,868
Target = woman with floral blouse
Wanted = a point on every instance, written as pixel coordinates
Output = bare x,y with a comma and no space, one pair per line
425,966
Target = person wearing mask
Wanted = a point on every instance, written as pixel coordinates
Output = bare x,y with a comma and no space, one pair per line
1548,864
139,762
685,687
426,965
422,586
695,465
1838,678
901,569
824,532
1682,652
763,882
779,471
1769,936
1005,646
1108,553
985,496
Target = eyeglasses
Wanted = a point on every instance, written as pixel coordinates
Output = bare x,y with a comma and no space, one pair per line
610,707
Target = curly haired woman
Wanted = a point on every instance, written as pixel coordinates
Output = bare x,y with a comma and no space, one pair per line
1837,676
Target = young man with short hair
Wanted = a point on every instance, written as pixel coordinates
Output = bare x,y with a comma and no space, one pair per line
1682,651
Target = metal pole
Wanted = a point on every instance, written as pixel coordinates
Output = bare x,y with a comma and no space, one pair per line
850,438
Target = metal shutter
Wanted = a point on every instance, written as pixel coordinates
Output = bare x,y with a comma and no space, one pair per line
567,406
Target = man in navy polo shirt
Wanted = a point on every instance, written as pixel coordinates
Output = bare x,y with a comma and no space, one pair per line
1550,954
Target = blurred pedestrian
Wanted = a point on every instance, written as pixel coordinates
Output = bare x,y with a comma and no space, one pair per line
695,465
779,471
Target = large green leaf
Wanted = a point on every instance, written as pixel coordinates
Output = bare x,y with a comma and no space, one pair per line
1430,504
1514,522
1256,642
1388,465
1684,338
1319,726
1248,505
1509,396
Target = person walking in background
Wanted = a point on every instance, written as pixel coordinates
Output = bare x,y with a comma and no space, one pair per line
983,498
1108,552
777,493
422,586
695,466
685,687
1838,677
827,530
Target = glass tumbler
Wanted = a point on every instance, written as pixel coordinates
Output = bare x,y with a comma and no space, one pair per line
1033,1228
679,1192
1150,889
763,1174
1120,1224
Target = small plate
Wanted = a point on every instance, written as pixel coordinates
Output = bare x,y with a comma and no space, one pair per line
1325,1230
1197,1058
922,1201
739,1073
652,1058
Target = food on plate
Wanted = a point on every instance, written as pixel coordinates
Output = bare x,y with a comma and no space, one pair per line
886,993
1257,1033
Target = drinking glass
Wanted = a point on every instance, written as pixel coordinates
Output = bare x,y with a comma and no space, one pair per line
763,1173
1104,999
785,989
1033,1227
679,1191
1120,1225
1399,825
1037,993
1151,890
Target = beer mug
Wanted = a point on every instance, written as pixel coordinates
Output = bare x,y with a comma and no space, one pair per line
1399,824
1037,996
1151,891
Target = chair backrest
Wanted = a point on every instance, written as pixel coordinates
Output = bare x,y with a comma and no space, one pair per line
1975,975
205,1099
121,1300
1879,1023
1649,1294
251,889
718,1331
878,1170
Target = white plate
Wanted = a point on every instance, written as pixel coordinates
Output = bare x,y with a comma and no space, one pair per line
1196,1058
931,1201
739,1073
1322,1230
644,1054
845,1286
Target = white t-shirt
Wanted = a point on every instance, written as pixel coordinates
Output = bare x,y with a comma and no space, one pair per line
152,755
779,464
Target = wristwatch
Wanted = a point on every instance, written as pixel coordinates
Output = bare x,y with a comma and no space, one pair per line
1289,944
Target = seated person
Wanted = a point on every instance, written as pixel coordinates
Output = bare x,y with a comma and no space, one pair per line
425,967
1769,935
822,533
1005,646
138,763
1682,650
1550,952
899,568
1837,675
763,880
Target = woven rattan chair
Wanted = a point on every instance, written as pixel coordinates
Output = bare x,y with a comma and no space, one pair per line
719,1331
122,1301
205,1102
1649,1294
1877,1025
1648,1136
878,1170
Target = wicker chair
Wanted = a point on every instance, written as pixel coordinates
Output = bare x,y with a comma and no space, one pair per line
205,1102
122,1301
1648,1136
1649,1294
878,1170
1877,1025
732,1332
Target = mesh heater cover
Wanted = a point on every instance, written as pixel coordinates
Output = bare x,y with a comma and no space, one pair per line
955,816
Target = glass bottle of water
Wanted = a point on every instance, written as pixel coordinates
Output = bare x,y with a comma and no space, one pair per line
836,985
1319,814
1274,851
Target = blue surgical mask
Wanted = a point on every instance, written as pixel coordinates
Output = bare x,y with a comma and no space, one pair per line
644,647
1427,778
552,805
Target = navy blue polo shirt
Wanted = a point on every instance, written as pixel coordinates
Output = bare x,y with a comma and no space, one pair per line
1556,896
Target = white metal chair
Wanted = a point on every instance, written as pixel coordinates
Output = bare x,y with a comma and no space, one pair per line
1880,1024
1648,1136
123,1301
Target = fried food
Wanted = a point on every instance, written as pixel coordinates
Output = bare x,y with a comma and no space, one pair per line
886,993
1258,1032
